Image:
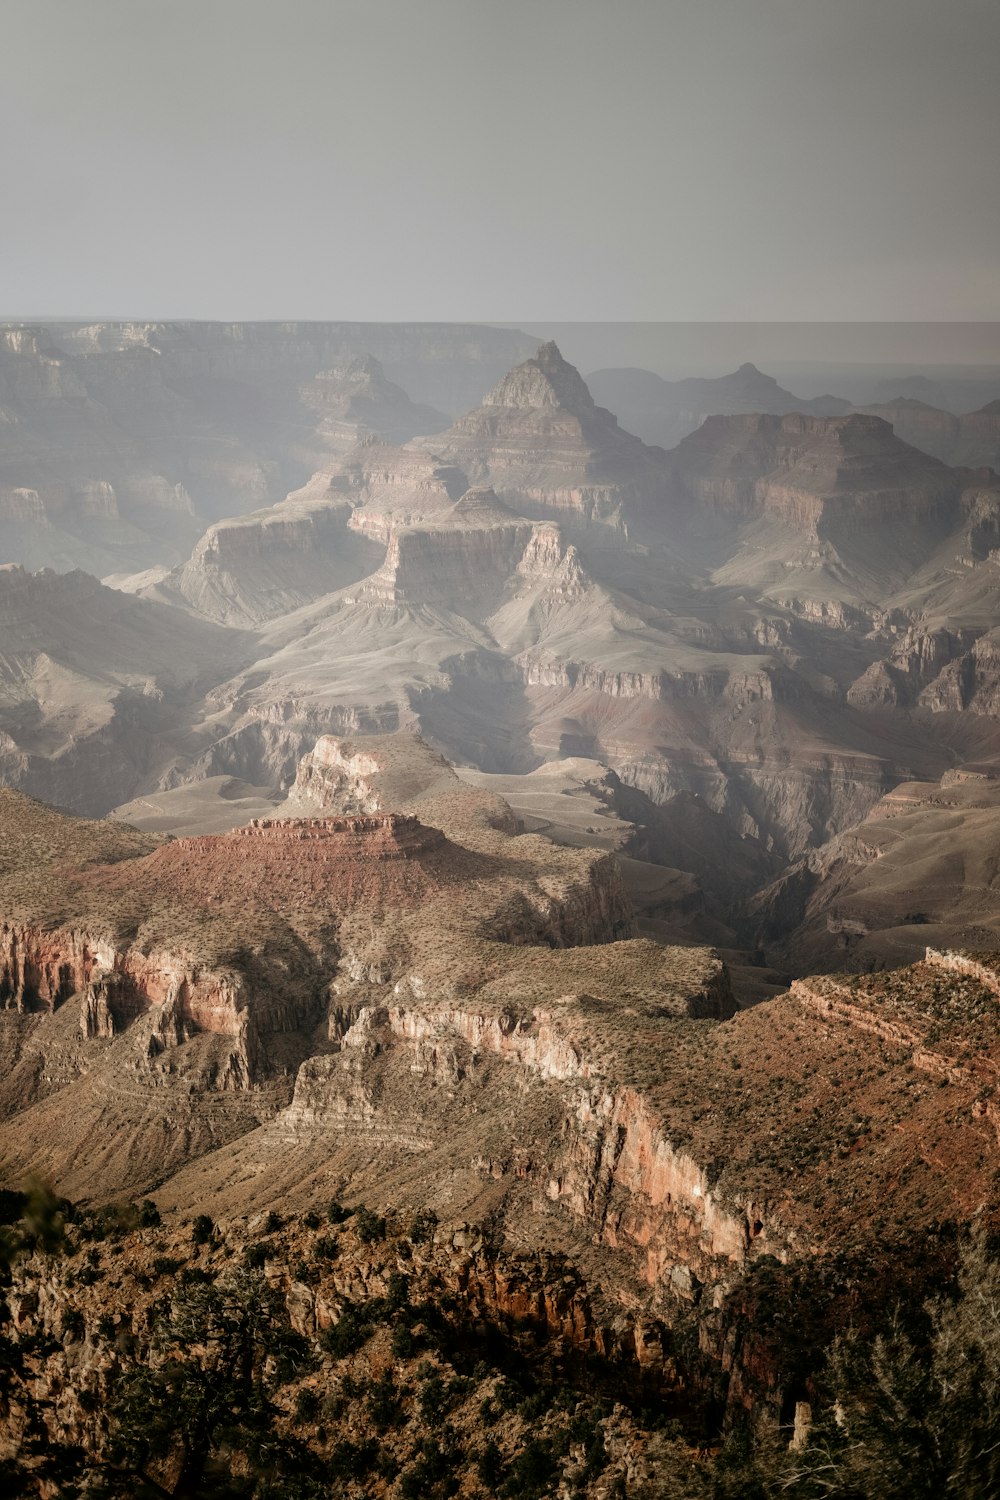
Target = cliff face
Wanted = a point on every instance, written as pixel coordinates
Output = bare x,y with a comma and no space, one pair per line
42,970
917,870
971,440
238,935
252,569
120,442
329,534
546,447
824,476
609,1167
461,562
354,400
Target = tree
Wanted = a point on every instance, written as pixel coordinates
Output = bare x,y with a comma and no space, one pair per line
206,1389
916,1413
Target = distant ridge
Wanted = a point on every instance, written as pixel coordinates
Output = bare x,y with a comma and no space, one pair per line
664,411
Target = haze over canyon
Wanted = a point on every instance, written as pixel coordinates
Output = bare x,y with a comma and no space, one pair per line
558,809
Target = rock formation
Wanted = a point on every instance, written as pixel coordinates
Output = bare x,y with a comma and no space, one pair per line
392,1016
354,400
771,626
828,478
664,411
546,448
95,687
970,439
120,442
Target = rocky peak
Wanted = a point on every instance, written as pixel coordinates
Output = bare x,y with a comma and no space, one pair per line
546,380
749,372
357,373
481,503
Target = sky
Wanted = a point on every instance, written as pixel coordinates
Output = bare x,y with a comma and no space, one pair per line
500,160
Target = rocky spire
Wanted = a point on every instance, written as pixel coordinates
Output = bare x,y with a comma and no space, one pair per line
545,380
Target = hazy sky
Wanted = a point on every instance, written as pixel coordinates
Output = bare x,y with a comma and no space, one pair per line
500,159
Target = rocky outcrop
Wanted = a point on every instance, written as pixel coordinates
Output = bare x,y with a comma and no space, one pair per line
372,836
613,1169
970,682
623,1177
353,400
984,967
664,411
337,775
248,570
374,772
970,440
43,969
917,659
832,477
544,445
570,913
460,561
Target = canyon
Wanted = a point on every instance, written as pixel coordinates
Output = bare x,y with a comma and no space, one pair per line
432,1011
420,789
776,622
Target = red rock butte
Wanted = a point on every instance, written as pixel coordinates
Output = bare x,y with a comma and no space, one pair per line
298,864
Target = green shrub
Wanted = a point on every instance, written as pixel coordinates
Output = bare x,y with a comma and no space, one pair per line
423,1226
433,1400
398,1293
532,1471
353,1460
369,1226
490,1467
349,1334
166,1265
306,1406
404,1342
202,1230
384,1403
